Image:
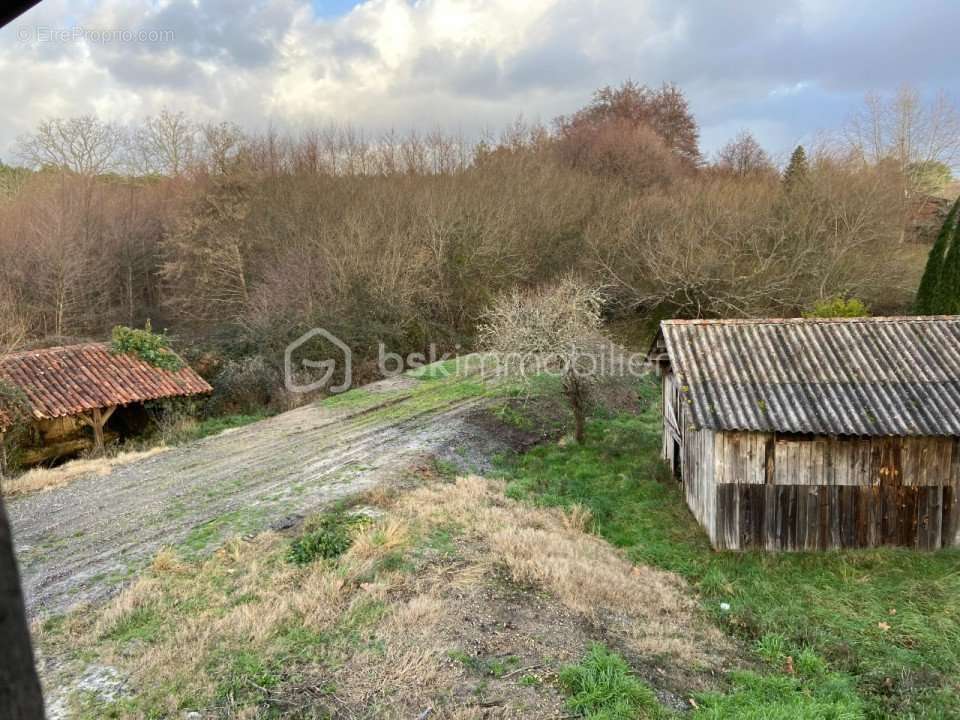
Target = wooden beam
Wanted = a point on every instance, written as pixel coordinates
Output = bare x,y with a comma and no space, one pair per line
98,423
107,413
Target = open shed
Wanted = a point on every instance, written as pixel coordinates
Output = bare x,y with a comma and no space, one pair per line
70,393
812,434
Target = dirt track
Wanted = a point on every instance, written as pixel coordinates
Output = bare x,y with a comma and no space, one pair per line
80,542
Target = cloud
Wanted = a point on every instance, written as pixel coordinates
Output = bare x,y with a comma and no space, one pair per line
783,70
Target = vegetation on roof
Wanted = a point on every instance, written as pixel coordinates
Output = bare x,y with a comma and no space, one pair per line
151,347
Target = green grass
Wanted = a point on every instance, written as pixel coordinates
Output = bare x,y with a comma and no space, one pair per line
487,667
327,537
601,687
216,425
213,532
886,622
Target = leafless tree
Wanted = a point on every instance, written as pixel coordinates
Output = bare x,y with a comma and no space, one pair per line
219,144
744,156
553,328
663,110
740,248
905,130
164,144
84,145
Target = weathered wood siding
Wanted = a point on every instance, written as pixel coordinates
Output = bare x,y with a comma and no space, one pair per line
763,491
672,407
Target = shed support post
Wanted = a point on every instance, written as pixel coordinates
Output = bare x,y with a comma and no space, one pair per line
97,421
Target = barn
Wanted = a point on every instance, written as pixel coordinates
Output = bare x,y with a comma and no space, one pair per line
70,394
815,434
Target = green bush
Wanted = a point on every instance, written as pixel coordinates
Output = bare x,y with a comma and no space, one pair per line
147,345
601,687
328,536
838,307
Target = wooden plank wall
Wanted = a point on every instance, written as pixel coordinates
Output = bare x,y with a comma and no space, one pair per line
819,493
672,408
699,484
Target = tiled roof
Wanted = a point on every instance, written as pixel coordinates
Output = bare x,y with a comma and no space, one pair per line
863,376
63,381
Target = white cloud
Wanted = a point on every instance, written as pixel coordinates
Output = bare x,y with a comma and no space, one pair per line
466,65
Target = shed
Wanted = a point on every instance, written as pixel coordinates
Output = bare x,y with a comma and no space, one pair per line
68,389
814,434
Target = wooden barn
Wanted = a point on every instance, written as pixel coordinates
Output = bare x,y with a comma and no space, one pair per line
71,394
813,434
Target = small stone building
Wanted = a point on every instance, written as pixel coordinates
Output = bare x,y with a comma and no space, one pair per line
812,434
71,393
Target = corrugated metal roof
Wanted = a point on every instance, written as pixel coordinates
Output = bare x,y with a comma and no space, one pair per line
862,376
63,381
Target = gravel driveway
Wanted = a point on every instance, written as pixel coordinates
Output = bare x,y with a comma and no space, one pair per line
79,543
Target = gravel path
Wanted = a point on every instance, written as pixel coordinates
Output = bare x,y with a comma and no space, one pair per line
79,543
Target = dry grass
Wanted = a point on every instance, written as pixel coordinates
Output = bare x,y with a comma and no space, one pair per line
380,632
548,548
42,479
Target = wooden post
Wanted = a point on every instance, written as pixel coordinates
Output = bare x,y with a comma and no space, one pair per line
97,429
96,421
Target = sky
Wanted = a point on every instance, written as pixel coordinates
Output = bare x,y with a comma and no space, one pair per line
783,69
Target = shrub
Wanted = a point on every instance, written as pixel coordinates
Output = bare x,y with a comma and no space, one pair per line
15,409
147,345
244,386
838,307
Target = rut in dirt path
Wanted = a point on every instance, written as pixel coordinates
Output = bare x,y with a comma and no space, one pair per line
78,543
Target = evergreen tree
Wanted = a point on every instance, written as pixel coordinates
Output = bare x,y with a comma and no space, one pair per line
947,297
933,293
796,172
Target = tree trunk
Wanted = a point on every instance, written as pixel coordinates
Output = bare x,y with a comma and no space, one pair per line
20,695
576,392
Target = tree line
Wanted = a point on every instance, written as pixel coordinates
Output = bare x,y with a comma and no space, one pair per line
238,242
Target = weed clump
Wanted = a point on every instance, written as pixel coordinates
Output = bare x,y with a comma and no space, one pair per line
601,687
328,536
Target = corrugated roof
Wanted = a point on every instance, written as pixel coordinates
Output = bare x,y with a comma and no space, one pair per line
63,381
862,376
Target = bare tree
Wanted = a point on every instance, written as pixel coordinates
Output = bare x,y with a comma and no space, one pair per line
207,257
744,156
664,110
165,144
554,328
219,144
905,130
84,145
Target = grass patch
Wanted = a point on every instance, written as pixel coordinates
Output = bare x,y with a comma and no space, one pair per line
327,536
209,534
216,425
488,667
886,622
601,687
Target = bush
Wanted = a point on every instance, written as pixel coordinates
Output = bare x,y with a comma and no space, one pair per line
838,307
244,386
147,345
